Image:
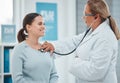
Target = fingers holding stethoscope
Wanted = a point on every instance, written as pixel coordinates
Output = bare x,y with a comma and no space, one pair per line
47,47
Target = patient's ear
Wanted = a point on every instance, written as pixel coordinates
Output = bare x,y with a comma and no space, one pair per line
28,27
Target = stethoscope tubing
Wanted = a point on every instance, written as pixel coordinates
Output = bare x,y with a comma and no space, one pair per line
64,54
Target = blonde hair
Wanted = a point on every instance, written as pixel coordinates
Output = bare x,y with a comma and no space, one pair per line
100,7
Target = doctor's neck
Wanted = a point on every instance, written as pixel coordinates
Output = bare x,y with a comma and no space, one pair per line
95,24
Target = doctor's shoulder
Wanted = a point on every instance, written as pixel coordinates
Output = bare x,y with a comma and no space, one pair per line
79,36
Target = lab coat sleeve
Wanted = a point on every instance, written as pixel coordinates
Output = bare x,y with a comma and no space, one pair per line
17,64
97,66
67,45
53,74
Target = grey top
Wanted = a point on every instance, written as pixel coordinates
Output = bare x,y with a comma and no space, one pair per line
32,66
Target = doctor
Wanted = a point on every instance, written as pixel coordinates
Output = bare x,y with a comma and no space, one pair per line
97,53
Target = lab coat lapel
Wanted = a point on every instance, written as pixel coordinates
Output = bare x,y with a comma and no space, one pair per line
86,39
95,32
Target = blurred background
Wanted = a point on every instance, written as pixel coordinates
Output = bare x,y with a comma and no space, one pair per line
69,23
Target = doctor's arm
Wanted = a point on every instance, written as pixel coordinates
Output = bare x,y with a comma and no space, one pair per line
98,64
63,46
17,65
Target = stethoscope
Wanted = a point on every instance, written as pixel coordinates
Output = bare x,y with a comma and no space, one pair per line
63,54
75,47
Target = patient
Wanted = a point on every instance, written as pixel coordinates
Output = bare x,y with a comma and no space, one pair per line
29,65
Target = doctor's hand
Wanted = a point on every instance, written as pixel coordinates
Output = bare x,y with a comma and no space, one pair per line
47,47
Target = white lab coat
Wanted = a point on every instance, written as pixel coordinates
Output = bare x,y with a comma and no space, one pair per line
97,55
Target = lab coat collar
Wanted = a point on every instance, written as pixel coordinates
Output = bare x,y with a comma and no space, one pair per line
100,28
96,31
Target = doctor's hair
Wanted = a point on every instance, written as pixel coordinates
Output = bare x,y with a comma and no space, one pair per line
28,19
100,7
